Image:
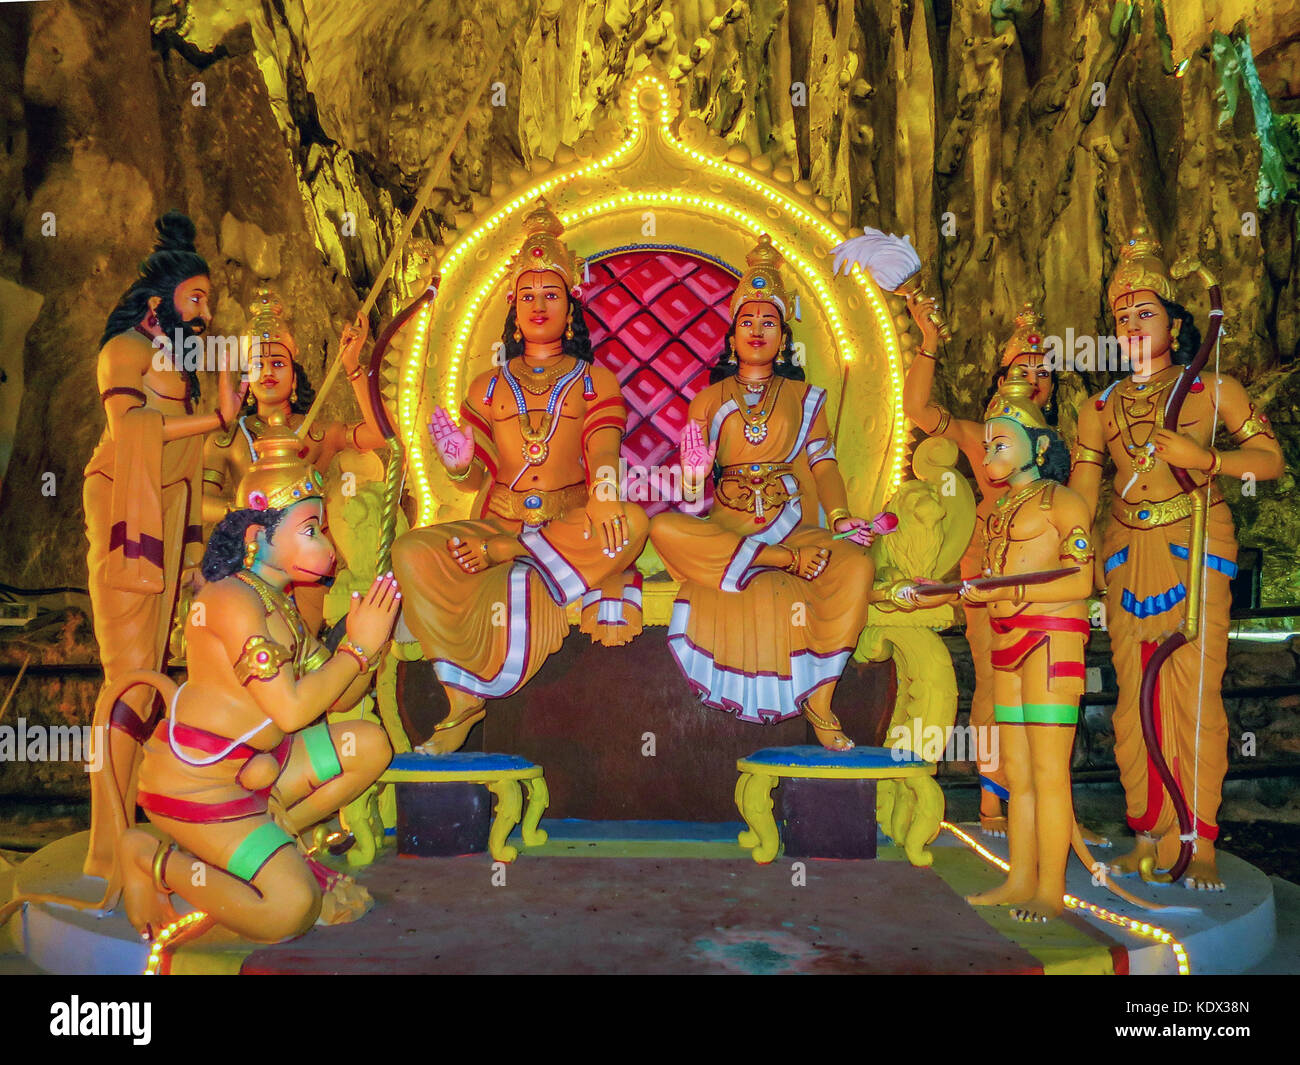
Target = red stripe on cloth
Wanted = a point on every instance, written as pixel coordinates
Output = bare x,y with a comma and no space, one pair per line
125,719
147,547
201,813
1010,657
608,402
1066,669
468,414
1039,623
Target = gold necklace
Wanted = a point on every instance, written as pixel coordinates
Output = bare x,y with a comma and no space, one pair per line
539,379
755,427
276,601
997,526
1137,400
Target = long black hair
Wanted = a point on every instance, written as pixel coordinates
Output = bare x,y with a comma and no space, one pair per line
578,345
1056,460
303,393
225,550
174,259
1188,342
783,366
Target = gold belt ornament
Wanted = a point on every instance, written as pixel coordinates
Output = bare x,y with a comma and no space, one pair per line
1154,515
754,487
535,507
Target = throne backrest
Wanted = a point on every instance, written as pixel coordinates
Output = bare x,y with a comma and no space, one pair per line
658,316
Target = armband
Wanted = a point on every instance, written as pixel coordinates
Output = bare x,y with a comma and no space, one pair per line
213,477
945,416
316,659
1077,546
1083,453
135,393
261,659
1254,425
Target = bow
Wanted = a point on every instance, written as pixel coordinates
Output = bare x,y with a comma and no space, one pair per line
396,452
1190,628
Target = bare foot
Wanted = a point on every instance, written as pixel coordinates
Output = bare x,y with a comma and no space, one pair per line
449,734
1130,864
1094,839
470,555
1006,893
994,826
148,909
810,565
1203,873
1038,910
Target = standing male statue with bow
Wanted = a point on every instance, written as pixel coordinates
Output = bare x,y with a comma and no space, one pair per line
1169,553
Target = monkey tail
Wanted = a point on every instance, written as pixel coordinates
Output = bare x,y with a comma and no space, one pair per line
167,688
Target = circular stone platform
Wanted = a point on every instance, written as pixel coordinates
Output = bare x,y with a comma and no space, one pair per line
701,905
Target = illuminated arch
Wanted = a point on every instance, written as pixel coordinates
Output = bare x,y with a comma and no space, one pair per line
693,190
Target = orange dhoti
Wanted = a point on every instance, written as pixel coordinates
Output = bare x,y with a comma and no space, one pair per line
487,633
1147,580
753,640
142,503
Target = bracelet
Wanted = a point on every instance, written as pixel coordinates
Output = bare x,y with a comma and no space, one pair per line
928,354
836,515
460,476
348,647
354,374
1217,464
793,566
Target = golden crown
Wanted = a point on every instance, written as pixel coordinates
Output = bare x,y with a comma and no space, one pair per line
1140,269
1027,336
267,328
279,478
543,250
762,281
1015,400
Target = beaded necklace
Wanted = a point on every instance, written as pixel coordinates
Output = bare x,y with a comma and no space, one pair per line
537,440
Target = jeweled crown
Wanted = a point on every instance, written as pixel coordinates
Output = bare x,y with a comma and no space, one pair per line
267,328
543,250
1026,338
762,281
279,478
1140,269
1015,400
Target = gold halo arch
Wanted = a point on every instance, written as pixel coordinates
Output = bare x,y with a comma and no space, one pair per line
662,178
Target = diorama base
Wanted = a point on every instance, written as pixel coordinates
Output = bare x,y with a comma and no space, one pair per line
676,897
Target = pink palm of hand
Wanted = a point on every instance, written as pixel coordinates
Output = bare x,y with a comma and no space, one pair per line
697,456
455,444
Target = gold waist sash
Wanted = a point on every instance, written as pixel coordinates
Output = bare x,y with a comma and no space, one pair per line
1154,515
536,507
754,487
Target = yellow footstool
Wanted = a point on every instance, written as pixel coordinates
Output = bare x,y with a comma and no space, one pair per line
908,802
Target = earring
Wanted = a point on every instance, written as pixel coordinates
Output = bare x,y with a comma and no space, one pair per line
250,553
731,354
568,333
780,359
518,335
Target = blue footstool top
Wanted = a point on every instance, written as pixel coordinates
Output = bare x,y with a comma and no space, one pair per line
811,757
459,762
